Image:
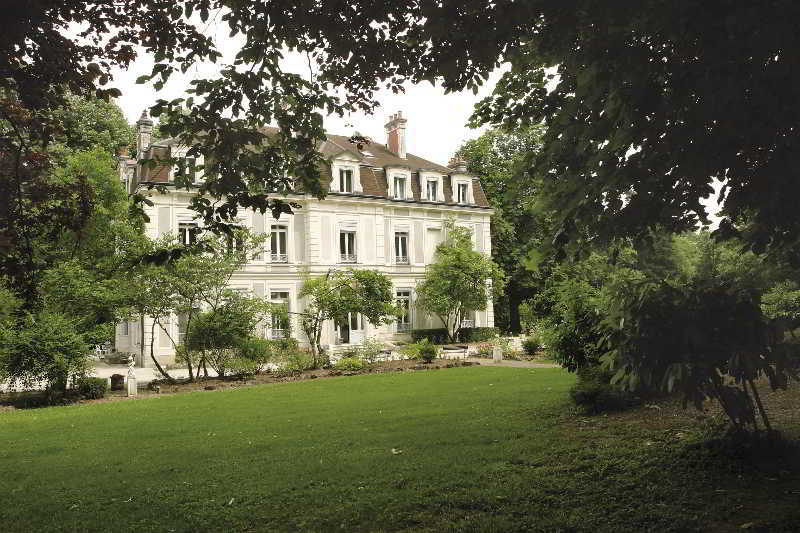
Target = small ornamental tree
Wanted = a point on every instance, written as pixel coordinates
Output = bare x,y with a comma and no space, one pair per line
782,305
460,280
339,292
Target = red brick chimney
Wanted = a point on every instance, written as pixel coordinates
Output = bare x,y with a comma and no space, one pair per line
396,135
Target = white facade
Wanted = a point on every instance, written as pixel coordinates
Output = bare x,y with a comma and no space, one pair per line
349,229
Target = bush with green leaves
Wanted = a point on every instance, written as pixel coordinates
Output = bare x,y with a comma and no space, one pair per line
427,351
531,345
91,388
43,348
295,361
477,334
350,363
371,349
594,393
701,332
434,335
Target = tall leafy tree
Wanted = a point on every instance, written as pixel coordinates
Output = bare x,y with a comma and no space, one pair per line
338,293
460,280
518,229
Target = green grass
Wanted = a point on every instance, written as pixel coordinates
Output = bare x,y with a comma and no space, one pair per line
483,449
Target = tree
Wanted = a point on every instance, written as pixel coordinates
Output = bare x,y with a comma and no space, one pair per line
218,334
458,281
517,230
197,279
338,293
638,108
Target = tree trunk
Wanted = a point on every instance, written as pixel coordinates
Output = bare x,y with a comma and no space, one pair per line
514,299
760,405
152,355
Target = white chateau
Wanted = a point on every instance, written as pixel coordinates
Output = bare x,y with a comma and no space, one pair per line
385,210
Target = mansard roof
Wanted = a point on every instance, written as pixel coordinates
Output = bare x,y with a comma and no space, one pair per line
375,159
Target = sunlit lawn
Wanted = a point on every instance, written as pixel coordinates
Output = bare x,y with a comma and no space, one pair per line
468,449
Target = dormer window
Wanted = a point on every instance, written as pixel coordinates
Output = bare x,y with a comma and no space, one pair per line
400,187
463,193
432,189
345,180
187,233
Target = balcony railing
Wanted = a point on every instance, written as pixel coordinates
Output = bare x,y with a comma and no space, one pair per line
401,259
279,258
403,326
276,334
348,258
467,323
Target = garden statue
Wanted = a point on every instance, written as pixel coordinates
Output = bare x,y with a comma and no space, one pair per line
132,389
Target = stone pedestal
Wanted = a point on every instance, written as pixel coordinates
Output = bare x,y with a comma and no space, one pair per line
497,354
132,388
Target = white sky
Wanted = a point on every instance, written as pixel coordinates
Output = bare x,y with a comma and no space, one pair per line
436,122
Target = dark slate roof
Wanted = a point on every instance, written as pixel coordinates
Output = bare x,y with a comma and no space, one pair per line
375,158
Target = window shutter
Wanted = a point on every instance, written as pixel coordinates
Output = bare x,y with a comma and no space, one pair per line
258,229
164,221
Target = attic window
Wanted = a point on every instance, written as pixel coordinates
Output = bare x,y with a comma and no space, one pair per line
345,180
463,193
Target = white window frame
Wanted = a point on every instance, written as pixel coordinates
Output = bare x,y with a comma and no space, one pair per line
427,177
405,321
348,248
399,257
279,256
468,193
342,175
275,296
187,232
400,193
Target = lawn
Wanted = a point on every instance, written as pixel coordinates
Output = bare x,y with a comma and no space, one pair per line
467,449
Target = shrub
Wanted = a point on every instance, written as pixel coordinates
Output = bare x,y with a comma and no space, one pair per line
427,351
92,388
350,363
594,392
370,349
477,334
485,349
435,335
295,361
45,347
253,354
531,345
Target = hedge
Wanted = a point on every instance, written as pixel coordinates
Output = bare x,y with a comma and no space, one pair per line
439,335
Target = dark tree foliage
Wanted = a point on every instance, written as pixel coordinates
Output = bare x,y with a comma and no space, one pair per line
518,229
652,99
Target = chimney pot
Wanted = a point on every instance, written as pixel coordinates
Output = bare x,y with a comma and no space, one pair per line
396,134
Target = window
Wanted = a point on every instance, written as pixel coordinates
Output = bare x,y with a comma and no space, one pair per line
433,190
347,246
399,188
401,248
183,321
187,233
403,301
186,168
278,238
235,243
345,180
279,324
463,193
350,330
123,329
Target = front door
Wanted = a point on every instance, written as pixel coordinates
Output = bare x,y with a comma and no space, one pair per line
351,331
